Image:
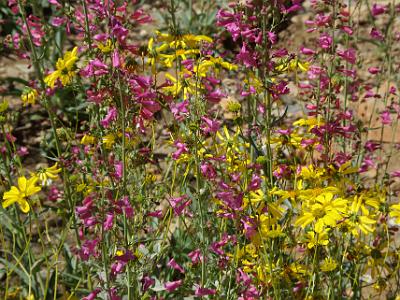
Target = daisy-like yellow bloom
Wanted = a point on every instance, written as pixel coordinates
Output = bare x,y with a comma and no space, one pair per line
317,239
310,122
25,189
65,69
182,41
107,47
360,218
109,141
88,140
326,211
395,212
47,174
29,96
328,265
292,65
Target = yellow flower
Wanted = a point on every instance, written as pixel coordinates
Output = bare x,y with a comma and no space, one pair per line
328,265
107,47
395,212
182,41
47,174
26,188
3,106
65,69
29,96
317,239
109,140
88,140
326,211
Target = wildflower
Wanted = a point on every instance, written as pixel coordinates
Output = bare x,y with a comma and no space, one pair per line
200,292
325,41
65,69
328,265
395,212
317,239
386,118
173,285
88,140
45,175
326,211
109,141
26,188
29,96
107,47
174,265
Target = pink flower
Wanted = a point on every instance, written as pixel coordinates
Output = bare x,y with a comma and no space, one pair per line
57,21
209,125
200,292
272,37
376,34
386,118
246,57
215,96
378,9
349,55
109,221
395,174
110,117
374,70
89,249
347,30
173,264
195,256
118,166
180,110
92,295
23,151
147,282
325,41
307,51
181,148
115,59
173,285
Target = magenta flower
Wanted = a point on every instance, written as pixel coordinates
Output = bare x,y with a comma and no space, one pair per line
325,41
110,117
173,285
246,57
307,51
378,9
349,55
200,292
108,222
195,256
386,118
92,295
376,34
374,70
181,149
209,125
174,265
147,282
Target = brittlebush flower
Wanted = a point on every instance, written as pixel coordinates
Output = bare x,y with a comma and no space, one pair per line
326,211
25,189
328,265
65,69
395,212
48,173
317,239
